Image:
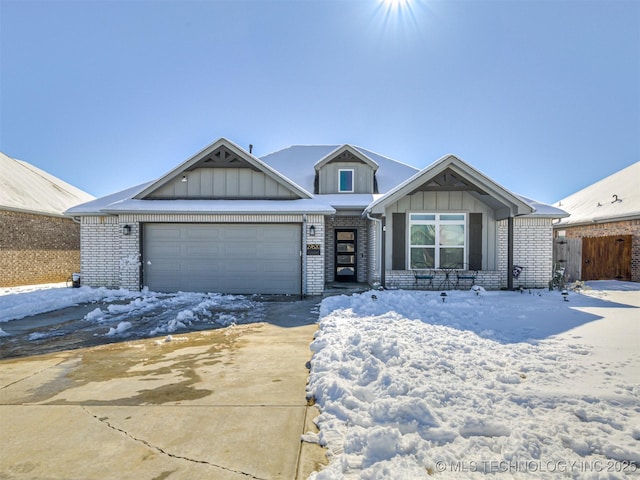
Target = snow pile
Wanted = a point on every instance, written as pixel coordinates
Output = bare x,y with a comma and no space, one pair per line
483,383
127,314
20,303
122,327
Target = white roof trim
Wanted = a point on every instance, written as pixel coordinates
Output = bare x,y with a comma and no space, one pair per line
225,207
515,204
346,148
255,161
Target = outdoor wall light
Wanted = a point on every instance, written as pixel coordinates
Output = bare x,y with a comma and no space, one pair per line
126,230
312,231
184,179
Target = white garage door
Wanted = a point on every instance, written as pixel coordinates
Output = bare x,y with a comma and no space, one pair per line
222,258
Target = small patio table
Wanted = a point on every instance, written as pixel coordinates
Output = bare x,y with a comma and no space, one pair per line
446,283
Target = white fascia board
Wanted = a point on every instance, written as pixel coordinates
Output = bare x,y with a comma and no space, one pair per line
191,207
250,158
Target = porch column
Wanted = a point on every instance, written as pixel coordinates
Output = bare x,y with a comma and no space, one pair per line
383,248
510,253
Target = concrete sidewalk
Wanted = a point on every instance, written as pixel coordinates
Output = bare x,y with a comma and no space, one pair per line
221,404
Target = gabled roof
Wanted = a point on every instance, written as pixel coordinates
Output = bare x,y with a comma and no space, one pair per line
223,153
346,153
614,198
26,188
451,173
298,163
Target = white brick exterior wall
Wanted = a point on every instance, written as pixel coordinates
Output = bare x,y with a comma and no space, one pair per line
129,257
405,279
100,252
315,263
532,250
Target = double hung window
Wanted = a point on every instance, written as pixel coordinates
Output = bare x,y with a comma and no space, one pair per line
437,240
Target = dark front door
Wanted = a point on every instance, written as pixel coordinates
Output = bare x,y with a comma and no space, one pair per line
346,255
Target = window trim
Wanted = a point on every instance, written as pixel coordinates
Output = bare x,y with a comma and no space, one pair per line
437,222
353,180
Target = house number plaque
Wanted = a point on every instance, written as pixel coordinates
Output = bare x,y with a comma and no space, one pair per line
313,249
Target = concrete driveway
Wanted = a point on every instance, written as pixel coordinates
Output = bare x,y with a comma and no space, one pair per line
220,404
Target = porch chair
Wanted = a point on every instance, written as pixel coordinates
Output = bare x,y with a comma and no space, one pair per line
424,275
465,275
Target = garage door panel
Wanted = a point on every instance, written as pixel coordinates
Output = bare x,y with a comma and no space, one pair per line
168,233
278,251
166,251
241,235
202,233
201,250
230,258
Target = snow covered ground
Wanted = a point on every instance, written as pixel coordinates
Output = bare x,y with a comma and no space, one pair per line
516,385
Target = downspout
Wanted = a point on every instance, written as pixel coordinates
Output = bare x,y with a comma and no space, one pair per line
378,222
510,253
303,255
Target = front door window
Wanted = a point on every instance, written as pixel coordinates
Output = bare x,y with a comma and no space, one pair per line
346,255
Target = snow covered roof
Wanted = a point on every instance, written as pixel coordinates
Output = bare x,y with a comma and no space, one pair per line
298,162
26,188
124,202
614,198
543,209
295,166
98,206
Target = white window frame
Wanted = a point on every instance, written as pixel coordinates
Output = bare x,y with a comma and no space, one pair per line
437,222
353,180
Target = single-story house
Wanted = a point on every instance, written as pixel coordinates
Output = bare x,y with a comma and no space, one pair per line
600,240
38,244
294,220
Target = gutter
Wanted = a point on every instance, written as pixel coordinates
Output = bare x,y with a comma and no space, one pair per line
378,222
595,221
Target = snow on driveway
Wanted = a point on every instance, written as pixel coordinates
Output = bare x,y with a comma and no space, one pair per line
517,385
111,315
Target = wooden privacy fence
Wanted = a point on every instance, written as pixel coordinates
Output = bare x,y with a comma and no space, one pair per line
606,258
594,258
568,253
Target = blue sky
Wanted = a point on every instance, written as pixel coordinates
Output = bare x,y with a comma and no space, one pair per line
543,96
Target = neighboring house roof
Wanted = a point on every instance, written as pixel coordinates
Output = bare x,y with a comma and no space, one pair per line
452,173
26,188
614,198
